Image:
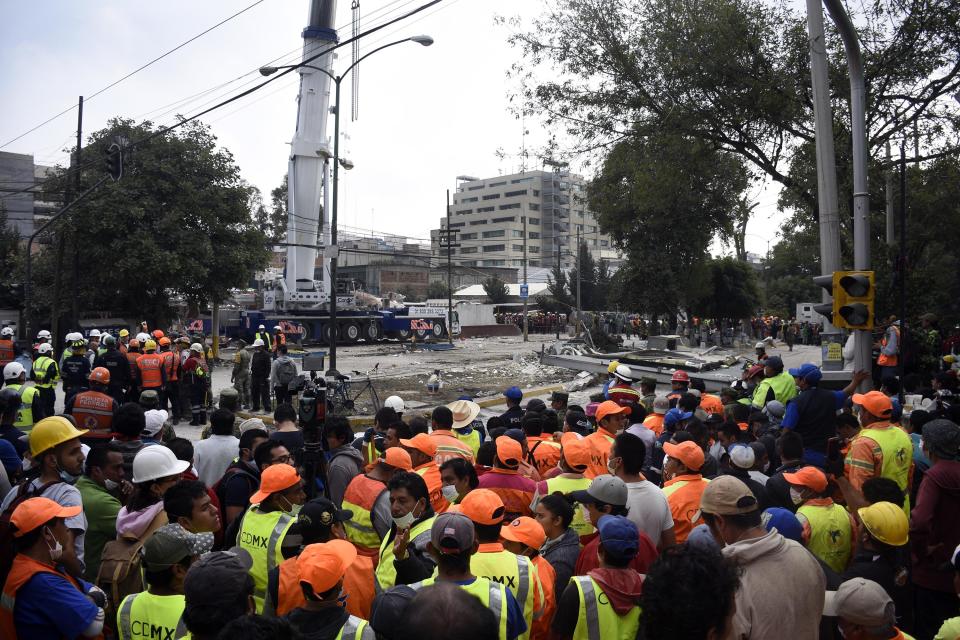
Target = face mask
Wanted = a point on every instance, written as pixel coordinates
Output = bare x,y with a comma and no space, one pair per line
110,484
289,508
450,492
56,551
611,467
586,514
404,522
796,496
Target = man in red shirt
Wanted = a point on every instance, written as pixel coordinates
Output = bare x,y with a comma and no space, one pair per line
504,479
607,495
611,419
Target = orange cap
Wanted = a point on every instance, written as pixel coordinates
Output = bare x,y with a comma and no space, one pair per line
482,506
509,451
37,512
809,477
397,457
422,443
576,452
610,408
323,565
878,404
688,452
525,530
274,478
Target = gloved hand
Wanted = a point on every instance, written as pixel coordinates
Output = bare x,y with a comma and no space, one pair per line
97,596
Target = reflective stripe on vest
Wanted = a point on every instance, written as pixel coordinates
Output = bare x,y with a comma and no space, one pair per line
7,351
40,369
355,629
491,594
513,572
22,571
360,497
588,602
25,414
150,366
565,486
472,440
597,619
263,547
897,451
386,573
831,537
125,623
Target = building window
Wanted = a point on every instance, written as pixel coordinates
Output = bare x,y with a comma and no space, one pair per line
468,250
536,192
515,205
518,247
497,184
485,209
510,219
516,233
468,236
604,243
474,223
464,212
475,188
533,263
534,249
465,200
494,263
514,194
494,248
535,221
492,196
534,206
522,180
499,233
534,235
454,225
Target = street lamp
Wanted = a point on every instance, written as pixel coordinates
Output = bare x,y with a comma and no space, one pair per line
425,41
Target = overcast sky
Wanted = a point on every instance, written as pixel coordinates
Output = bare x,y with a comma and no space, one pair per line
426,114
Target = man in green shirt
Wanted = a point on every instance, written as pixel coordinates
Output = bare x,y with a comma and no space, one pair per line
101,482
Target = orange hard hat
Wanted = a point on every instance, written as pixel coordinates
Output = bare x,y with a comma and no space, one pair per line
100,375
164,341
157,333
134,343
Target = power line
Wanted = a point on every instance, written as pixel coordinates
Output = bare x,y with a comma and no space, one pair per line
134,72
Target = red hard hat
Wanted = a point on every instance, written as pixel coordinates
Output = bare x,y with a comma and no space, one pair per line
101,375
157,333
680,376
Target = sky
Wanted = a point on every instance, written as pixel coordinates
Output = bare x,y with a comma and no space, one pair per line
426,114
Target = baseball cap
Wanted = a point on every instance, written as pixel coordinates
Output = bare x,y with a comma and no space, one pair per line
318,515
482,506
609,408
322,565
606,488
386,612
784,521
37,512
575,451
170,544
524,530
218,578
422,443
673,416
516,434
252,423
742,456
398,458
509,451
775,409
274,478
774,362
687,452
727,496
452,533
942,438
862,602
619,536
577,420
661,405
591,409
886,522
809,477
809,372
514,393
878,404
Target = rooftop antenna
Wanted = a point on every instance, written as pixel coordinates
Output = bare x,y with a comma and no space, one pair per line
354,113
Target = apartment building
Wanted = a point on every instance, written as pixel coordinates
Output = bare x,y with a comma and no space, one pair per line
548,209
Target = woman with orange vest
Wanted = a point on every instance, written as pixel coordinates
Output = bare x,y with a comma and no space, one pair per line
40,599
94,409
889,350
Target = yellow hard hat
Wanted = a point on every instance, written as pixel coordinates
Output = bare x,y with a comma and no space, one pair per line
613,366
886,522
151,345
51,432
124,333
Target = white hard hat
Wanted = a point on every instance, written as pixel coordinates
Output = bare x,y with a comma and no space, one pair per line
623,372
258,343
395,403
261,327
46,347
277,328
43,334
196,346
94,333
13,370
73,336
104,336
760,345
143,337
156,461
6,331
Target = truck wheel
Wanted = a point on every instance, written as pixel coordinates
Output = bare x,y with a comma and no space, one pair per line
422,334
404,334
438,330
325,333
350,332
372,331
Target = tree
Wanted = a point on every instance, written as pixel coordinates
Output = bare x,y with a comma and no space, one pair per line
496,290
437,289
731,291
591,299
11,261
275,226
179,223
560,300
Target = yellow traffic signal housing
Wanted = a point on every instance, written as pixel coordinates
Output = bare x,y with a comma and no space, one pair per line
854,295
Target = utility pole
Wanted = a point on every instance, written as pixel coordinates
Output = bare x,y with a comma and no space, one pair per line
902,259
525,327
579,278
826,155
449,274
888,175
77,222
559,271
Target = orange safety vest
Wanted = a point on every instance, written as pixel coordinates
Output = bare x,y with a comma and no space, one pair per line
132,361
360,497
357,586
884,360
7,352
430,473
150,365
94,411
23,569
279,339
170,362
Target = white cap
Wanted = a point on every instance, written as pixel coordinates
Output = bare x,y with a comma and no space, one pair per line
395,403
742,456
13,370
196,346
623,372
6,331
252,423
258,343
46,347
661,405
156,461
43,333
94,333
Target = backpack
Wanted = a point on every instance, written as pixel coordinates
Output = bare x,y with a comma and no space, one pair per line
121,565
220,489
7,546
286,372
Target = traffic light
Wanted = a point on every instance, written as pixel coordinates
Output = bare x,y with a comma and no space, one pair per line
853,295
114,155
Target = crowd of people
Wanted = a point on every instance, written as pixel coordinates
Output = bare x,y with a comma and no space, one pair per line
774,508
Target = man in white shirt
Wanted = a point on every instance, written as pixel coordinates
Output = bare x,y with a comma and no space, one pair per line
212,456
647,505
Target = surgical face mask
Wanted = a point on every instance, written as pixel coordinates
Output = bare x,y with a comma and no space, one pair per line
290,506
450,492
405,522
796,497
611,467
586,514
56,551
110,484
